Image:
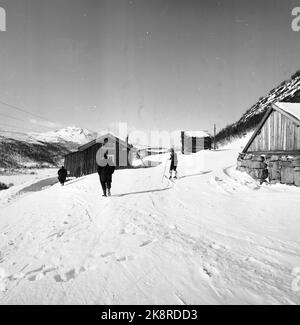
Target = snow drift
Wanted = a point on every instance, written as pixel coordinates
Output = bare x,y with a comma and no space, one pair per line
213,237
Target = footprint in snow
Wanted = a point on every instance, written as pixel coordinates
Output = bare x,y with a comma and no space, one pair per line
205,272
39,273
68,276
3,280
107,254
213,245
57,234
125,258
146,243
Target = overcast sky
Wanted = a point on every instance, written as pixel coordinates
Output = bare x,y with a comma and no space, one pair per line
155,64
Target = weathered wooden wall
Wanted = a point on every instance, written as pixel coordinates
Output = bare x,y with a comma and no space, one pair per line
74,163
84,162
278,134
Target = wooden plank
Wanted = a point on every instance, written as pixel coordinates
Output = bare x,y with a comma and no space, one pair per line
292,136
276,130
280,135
271,131
256,143
269,111
258,147
262,140
275,152
287,134
267,137
294,127
281,132
284,130
295,136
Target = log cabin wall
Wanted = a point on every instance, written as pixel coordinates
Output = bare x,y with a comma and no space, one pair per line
84,162
74,163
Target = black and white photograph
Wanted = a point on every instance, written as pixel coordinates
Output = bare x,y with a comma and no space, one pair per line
149,154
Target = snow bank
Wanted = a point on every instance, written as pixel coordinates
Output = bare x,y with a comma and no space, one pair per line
197,134
27,176
229,239
238,143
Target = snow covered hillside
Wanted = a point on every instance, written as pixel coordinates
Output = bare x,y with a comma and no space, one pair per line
287,91
214,236
16,154
70,134
36,149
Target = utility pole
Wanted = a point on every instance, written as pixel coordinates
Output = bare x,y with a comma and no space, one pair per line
215,132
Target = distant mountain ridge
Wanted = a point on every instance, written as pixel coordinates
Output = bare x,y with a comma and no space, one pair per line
19,150
73,134
287,91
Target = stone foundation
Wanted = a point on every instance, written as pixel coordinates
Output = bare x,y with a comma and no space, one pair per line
273,168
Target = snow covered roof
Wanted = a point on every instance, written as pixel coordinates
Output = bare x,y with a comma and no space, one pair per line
101,139
197,134
290,108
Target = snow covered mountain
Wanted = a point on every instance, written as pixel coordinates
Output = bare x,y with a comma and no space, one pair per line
287,91
39,149
71,134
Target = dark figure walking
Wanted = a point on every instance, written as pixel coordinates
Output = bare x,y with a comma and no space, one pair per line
62,175
105,172
174,163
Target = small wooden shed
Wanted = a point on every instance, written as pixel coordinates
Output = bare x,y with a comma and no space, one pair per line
194,141
273,152
83,161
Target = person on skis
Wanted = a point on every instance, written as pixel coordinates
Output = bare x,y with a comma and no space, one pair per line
62,175
174,163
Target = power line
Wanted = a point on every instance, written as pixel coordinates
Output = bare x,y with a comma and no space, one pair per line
25,111
12,117
16,132
21,120
15,126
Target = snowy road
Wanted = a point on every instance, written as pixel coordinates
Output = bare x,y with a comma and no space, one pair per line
212,237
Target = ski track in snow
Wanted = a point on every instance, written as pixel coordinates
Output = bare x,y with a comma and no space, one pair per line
213,236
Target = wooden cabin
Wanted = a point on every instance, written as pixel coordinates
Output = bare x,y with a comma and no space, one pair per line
194,141
273,152
83,161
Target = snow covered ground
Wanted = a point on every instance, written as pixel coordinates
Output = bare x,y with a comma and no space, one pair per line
214,236
26,176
